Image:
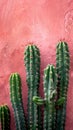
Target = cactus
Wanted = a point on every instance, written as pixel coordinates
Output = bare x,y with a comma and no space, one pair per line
50,84
16,99
62,64
32,64
56,82
5,117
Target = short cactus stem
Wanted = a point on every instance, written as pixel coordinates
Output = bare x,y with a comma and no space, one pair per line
62,64
5,117
50,84
32,64
16,99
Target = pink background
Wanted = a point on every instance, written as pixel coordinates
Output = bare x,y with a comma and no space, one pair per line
43,22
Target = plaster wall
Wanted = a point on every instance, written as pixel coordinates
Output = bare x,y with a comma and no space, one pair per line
43,22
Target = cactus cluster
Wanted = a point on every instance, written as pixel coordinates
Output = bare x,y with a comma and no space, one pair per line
16,100
56,82
5,117
55,86
32,64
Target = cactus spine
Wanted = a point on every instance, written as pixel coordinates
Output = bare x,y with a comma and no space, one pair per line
50,83
5,117
16,99
32,63
63,62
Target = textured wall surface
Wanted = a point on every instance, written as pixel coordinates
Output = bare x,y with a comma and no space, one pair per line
43,22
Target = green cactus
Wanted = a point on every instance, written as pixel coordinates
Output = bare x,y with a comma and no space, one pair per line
16,99
56,82
62,64
32,64
50,84
5,117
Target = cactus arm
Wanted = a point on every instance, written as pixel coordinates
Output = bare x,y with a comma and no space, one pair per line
50,82
39,101
5,117
62,64
16,99
32,64
60,101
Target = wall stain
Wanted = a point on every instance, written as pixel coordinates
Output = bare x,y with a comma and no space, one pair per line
68,21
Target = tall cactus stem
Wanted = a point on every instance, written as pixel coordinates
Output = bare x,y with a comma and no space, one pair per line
62,64
16,99
50,83
32,64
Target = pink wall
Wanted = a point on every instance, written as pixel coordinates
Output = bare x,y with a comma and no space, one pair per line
43,22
